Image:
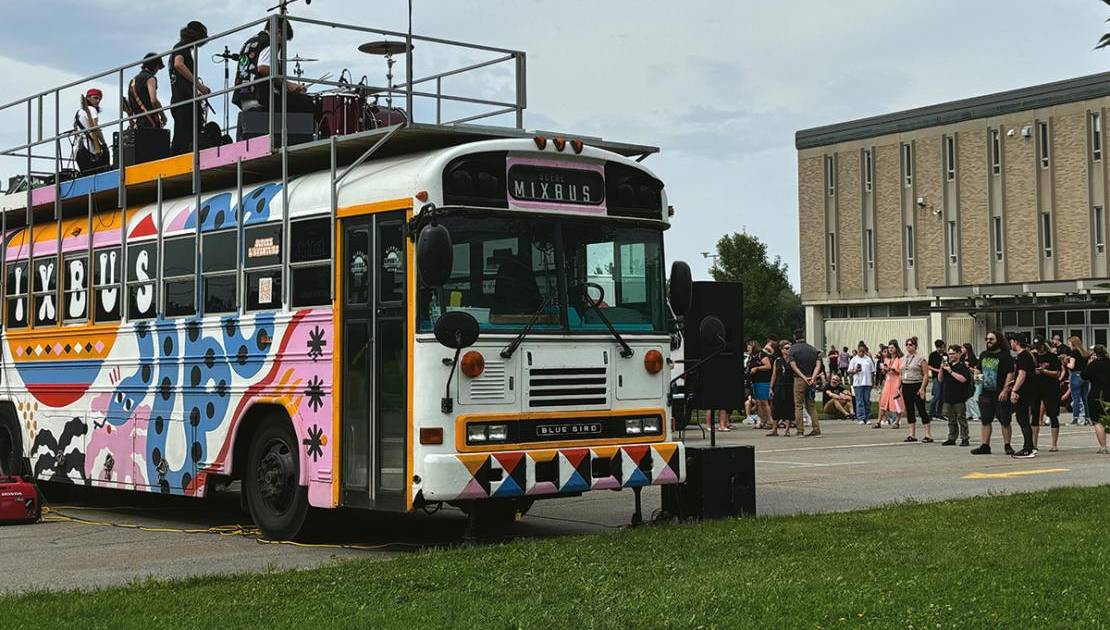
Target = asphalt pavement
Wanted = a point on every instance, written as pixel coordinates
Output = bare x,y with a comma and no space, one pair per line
104,538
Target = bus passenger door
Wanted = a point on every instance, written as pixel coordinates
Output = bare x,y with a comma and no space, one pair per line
373,412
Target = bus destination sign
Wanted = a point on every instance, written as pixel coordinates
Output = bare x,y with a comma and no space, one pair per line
556,185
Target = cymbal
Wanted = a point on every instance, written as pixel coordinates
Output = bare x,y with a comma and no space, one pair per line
300,59
384,47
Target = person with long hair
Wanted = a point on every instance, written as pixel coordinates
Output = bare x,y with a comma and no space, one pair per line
891,401
915,380
1097,373
782,393
996,368
759,373
1046,392
1076,359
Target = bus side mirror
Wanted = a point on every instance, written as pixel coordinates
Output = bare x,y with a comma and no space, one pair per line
434,255
457,330
681,288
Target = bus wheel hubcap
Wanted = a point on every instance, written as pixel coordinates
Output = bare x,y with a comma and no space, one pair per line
275,474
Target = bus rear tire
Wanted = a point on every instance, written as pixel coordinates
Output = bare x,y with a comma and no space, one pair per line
11,446
277,502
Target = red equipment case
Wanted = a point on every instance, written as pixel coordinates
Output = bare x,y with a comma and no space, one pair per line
19,501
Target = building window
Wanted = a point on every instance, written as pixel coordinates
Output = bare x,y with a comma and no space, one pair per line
869,248
996,151
179,282
907,164
1096,136
1046,233
310,262
909,246
45,279
830,175
1098,219
953,253
950,157
868,170
832,251
1042,136
996,236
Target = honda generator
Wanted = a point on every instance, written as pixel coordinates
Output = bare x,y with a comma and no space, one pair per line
19,501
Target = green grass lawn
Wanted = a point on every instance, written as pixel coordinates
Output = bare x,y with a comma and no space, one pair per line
1023,561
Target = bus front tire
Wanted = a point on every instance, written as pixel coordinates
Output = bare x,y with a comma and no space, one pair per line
11,446
277,502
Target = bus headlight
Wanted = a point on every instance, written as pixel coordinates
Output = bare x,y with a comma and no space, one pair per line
497,432
478,433
633,426
652,425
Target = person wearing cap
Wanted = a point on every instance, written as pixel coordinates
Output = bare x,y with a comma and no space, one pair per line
91,152
142,94
183,80
1021,393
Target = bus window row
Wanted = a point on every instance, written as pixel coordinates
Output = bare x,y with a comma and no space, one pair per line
179,290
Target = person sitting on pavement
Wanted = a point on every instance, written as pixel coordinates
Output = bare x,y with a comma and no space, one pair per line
838,401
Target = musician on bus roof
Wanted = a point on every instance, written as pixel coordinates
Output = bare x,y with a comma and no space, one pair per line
142,94
255,61
182,71
92,152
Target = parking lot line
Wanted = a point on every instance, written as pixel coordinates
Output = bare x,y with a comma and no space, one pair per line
1014,473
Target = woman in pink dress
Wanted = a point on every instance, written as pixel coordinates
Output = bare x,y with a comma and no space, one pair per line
891,399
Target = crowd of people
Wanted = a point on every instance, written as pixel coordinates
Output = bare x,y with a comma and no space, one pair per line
1012,378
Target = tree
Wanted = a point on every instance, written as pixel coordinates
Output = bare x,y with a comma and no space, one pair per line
771,308
1105,40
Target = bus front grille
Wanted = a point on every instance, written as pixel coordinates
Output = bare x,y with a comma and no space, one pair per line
568,387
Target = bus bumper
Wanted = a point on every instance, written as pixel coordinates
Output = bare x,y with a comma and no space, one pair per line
551,472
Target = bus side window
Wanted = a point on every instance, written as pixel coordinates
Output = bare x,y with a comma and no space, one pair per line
75,280
262,263
107,276
310,262
179,264
46,291
16,299
142,274
220,270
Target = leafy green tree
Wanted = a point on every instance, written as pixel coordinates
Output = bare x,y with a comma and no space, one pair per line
1105,40
771,307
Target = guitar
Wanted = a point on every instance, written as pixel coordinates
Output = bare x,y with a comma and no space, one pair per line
96,137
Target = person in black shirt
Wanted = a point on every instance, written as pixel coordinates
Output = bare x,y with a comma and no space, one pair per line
936,358
1097,373
142,94
838,402
256,61
1046,391
182,80
957,377
1021,392
997,368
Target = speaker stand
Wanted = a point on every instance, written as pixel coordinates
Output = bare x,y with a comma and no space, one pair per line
637,514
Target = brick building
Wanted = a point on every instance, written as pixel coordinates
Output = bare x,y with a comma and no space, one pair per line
945,220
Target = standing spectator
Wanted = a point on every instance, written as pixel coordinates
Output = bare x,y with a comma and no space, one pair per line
834,360
891,400
838,401
1046,392
915,377
972,361
997,377
936,358
803,360
1076,359
782,394
862,369
880,371
759,373
843,359
957,383
1097,373
1021,392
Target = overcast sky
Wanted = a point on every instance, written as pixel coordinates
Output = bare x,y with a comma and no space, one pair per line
720,86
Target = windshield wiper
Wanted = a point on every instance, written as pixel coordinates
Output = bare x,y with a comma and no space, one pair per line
507,351
626,351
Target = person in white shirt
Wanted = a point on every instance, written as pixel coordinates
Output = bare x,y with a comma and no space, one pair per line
91,152
862,370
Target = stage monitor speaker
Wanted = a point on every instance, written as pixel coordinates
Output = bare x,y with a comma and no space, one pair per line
719,382
255,123
720,482
140,145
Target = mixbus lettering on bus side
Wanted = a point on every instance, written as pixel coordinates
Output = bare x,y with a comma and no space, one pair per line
472,317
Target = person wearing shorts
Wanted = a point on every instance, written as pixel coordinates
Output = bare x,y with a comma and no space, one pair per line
759,374
1046,392
997,368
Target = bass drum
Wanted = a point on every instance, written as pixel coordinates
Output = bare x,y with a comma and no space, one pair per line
339,114
378,117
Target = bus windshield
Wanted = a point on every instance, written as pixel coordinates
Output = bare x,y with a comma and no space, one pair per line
506,266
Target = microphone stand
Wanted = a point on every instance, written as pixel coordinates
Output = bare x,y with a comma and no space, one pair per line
227,58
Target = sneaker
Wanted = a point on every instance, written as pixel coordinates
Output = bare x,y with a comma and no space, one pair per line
814,433
1009,449
965,443
948,443
1024,454
982,449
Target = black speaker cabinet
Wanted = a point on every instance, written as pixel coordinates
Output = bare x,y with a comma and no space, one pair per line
254,123
720,482
141,145
719,383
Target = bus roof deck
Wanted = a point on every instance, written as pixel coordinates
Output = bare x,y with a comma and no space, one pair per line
434,117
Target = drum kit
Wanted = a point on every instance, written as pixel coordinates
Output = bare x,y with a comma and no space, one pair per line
356,107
